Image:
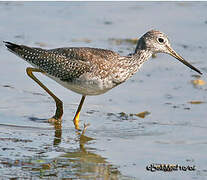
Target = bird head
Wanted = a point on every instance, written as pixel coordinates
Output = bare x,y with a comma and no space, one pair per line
157,42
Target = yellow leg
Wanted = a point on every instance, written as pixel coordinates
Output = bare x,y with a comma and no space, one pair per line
76,118
59,104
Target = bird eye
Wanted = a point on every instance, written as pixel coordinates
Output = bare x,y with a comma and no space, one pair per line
160,40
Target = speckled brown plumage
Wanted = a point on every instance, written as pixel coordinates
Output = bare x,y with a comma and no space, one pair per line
93,71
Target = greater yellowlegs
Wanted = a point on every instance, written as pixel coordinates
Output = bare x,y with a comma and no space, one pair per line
91,71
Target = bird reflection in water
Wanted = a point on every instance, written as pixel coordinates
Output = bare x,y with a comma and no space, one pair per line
82,162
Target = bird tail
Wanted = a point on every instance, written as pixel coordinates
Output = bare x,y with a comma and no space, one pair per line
12,47
22,51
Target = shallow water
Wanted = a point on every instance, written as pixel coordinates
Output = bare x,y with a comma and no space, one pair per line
118,144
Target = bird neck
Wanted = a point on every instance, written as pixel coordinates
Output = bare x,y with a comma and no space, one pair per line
128,66
141,55
134,62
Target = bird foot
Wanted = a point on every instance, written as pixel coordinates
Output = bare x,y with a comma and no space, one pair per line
54,120
84,128
82,132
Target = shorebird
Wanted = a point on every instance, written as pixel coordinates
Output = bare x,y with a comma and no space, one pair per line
91,71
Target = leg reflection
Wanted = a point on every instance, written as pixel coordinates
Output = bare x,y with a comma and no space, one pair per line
58,133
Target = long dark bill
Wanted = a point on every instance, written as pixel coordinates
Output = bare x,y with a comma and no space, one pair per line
178,57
